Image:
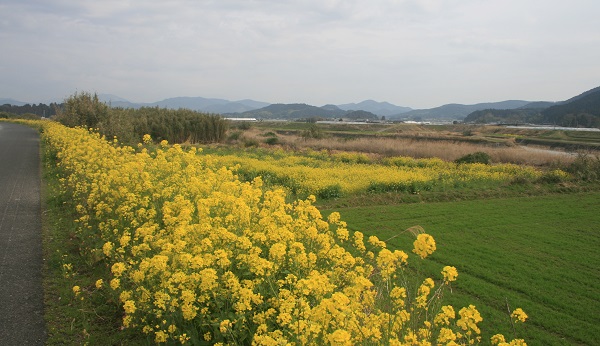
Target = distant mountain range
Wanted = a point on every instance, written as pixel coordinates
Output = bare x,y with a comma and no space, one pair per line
255,109
201,104
5,101
587,105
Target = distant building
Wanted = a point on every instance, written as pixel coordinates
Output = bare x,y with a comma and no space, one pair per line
417,122
242,119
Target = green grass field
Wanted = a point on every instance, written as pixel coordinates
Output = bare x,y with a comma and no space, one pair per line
539,253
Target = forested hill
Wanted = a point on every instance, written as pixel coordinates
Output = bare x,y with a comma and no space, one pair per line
580,111
455,111
506,116
304,111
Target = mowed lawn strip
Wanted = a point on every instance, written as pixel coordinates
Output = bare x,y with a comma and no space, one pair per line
538,253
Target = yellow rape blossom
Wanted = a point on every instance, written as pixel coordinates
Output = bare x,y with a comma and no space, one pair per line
358,241
129,306
498,339
160,336
224,326
117,269
424,245
398,296
446,335
423,293
115,283
374,241
449,273
445,315
277,252
107,248
469,317
519,315
340,337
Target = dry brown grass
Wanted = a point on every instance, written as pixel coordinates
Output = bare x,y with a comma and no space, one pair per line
422,147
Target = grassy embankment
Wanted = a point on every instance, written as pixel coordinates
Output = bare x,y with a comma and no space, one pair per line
539,253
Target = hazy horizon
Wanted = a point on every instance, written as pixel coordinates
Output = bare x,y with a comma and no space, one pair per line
118,99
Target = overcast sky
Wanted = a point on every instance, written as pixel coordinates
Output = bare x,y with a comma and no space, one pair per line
415,53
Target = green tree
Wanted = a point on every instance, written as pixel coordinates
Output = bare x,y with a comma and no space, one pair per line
83,109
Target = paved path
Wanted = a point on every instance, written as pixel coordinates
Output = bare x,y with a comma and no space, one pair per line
21,294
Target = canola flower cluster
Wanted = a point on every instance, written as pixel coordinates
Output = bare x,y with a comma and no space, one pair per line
193,255
316,171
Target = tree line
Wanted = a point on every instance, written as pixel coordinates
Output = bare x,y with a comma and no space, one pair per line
130,125
29,111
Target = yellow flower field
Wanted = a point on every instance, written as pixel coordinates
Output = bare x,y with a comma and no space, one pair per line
316,172
194,255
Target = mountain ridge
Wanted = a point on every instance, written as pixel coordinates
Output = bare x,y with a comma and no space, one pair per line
13,102
197,103
457,111
370,109
303,111
582,110
379,108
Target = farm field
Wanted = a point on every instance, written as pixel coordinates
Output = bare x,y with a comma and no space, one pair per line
540,253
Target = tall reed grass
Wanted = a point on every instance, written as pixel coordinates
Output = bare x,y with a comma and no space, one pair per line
423,147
